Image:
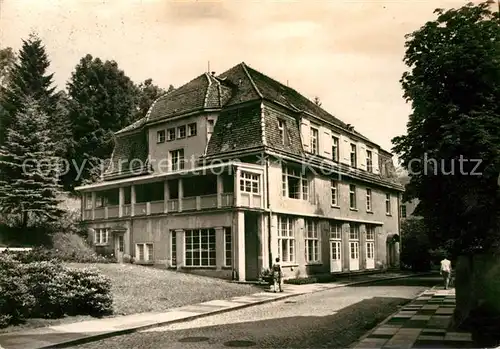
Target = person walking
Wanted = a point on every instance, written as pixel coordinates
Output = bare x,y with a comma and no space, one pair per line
446,272
277,275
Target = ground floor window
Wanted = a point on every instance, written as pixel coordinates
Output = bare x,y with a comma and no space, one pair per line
228,247
312,241
354,249
121,243
144,252
286,239
370,250
200,248
173,248
101,236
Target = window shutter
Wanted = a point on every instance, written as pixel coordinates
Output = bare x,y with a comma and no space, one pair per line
362,156
304,132
345,150
325,145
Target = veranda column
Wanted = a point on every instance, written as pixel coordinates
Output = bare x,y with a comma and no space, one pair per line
121,201
132,200
237,196
166,196
240,245
181,194
220,189
220,248
93,205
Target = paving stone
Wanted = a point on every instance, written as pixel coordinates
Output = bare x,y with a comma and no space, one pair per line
434,330
430,306
385,330
421,317
371,343
443,311
424,337
458,336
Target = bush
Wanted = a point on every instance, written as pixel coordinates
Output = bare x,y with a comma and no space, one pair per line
70,247
16,300
90,293
415,245
127,258
48,289
302,281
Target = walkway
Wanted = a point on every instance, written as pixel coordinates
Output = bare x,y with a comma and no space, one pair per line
80,332
423,323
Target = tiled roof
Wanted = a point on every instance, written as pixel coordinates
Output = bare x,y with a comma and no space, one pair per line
203,92
128,147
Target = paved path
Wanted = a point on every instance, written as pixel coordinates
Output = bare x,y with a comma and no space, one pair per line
330,319
421,324
80,332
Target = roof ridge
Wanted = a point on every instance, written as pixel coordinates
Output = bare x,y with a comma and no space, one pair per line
207,91
251,80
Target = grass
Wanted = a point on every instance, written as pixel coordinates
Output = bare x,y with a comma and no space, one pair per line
138,289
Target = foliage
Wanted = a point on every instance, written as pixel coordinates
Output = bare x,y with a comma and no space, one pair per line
453,84
29,168
415,245
48,289
102,101
27,78
148,93
7,61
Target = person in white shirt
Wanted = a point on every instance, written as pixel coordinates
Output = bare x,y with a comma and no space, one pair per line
446,272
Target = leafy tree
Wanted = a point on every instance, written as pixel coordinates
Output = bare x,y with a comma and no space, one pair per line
7,61
452,145
102,101
28,77
147,94
415,245
29,185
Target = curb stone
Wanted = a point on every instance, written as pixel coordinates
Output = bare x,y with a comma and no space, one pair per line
93,338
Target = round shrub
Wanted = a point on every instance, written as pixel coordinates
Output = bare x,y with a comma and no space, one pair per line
89,293
127,258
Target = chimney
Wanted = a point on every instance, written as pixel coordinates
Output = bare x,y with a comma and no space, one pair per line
213,73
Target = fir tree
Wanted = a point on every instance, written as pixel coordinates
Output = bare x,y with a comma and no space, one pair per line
28,77
29,168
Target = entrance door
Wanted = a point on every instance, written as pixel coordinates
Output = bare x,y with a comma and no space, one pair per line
335,256
354,255
119,247
252,246
370,255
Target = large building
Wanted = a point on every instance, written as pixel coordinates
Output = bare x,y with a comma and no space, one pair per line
228,172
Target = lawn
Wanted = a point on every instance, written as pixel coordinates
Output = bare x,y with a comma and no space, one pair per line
138,289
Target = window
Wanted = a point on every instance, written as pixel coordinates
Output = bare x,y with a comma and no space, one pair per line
200,248
388,204
286,239
335,193
160,136
403,211
335,148
144,252
354,231
181,131
177,158
228,247
312,241
353,155
88,201
173,248
335,231
314,140
369,200
370,232
210,126
249,182
121,243
295,184
369,161
281,130
192,129
171,134
101,236
99,200
352,196
370,250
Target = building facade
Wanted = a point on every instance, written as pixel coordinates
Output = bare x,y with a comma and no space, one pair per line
228,172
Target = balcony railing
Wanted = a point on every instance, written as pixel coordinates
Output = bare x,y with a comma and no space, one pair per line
192,203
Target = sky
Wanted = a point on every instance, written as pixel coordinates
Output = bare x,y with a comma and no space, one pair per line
348,53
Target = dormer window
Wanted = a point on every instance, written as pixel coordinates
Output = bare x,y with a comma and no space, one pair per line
210,126
160,136
171,134
181,131
369,161
281,130
335,148
353,155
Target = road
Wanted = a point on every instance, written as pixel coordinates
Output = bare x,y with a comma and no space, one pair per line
328,319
